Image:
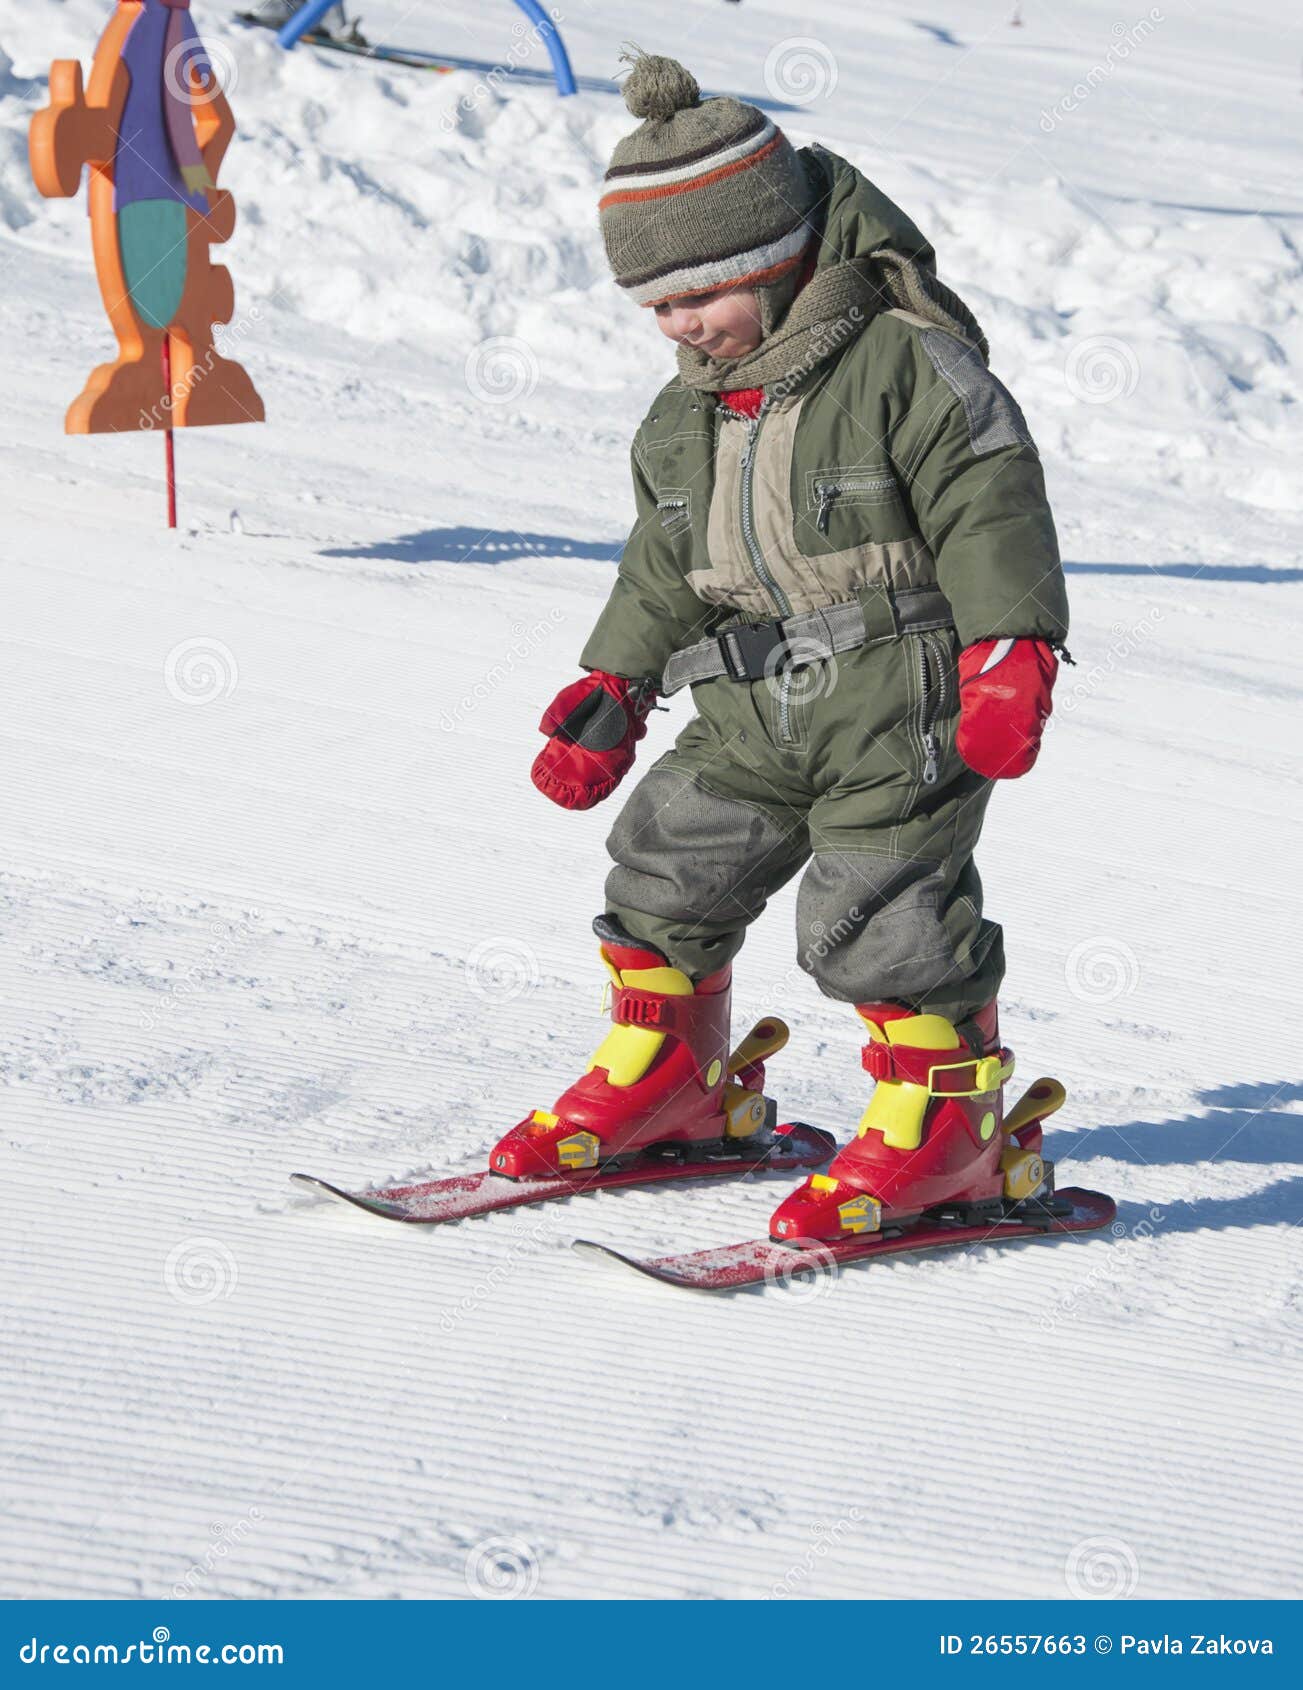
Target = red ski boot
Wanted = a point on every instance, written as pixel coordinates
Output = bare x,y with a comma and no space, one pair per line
933,1137
661,1077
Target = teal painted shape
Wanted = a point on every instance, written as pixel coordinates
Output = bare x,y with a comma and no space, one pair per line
152,240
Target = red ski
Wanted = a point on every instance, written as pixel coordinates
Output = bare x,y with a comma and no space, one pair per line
433,1202
731,1267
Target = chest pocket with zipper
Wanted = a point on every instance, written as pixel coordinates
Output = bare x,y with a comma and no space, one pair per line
833,495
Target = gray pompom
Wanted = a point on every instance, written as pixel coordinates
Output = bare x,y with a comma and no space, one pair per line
657,87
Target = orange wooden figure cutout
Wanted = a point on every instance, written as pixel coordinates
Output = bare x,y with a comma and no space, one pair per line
153,126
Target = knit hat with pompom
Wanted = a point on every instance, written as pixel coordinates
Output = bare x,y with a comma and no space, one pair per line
703,194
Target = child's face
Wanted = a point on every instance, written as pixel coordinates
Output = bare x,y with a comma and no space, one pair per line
724,323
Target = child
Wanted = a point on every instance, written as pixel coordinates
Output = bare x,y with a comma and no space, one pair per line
843,545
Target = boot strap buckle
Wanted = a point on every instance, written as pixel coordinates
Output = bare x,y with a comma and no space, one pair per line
911,1063
640,1009
973,1077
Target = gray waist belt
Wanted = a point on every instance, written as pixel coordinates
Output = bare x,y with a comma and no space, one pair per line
752,651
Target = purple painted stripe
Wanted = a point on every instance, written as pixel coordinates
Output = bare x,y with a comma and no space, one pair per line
144,167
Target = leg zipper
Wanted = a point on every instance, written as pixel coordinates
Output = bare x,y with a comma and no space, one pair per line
932,701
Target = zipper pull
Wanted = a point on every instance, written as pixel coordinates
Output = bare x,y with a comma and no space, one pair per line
930,763
642,697
753,423
827,493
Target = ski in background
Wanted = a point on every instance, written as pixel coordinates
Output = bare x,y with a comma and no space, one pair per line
356,44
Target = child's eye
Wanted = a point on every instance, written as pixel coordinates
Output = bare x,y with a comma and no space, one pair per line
685,299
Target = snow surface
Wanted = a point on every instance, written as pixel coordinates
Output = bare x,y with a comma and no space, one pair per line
278,893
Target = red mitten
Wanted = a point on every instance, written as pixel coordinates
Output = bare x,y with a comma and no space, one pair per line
1004,700
592,727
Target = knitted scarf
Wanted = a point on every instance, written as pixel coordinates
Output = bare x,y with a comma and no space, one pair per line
832,307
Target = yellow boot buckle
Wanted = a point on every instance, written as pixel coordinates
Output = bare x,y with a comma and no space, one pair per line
989,1074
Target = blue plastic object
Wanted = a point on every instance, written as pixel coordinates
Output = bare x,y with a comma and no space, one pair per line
312,11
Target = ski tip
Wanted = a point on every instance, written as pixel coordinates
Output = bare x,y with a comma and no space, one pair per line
588,1247
658,1273
605,1256
322,1187
371,1204
312,1180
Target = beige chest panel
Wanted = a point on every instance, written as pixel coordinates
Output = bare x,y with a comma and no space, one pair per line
730,576
808,583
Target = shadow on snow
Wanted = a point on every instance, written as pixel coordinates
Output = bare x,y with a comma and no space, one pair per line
467,544
1256,574
1248,1123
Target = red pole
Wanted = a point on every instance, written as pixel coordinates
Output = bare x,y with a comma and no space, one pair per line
168,439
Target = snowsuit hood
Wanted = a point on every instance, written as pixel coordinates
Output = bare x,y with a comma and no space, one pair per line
860,224
855,217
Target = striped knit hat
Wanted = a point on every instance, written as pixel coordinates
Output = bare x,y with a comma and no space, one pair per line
703,194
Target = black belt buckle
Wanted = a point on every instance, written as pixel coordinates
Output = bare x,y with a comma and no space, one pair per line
748,647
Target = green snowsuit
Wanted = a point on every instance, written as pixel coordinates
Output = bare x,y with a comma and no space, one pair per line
897,474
